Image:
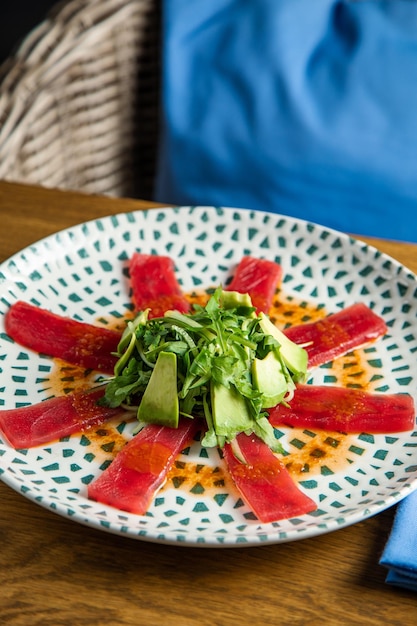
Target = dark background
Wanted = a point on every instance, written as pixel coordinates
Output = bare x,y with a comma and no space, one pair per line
17,19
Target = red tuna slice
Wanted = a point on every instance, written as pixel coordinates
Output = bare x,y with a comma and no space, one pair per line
265,482
259,278
140,468
76,342
155,286
30,426
346,410
338,333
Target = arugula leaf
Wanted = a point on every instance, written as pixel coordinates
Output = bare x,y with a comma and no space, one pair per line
229,364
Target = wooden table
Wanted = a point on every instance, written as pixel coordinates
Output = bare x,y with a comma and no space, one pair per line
56,572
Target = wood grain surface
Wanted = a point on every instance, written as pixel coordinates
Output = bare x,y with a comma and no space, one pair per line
55,572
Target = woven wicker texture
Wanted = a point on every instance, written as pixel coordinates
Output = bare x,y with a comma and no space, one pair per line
79,100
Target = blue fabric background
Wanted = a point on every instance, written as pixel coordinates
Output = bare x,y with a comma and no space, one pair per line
297,107
400,553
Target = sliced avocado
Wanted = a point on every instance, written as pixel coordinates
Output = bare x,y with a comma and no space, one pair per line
180,318
234,300
269,379
294,357
230,411
159,403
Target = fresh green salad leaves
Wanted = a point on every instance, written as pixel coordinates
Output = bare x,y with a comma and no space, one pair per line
222,362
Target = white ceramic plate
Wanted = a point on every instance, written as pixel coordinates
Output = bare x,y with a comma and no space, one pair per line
81,273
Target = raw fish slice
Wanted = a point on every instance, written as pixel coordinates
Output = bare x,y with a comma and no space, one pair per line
155,286
264,481
130,482
259,278
338,333
346,410
29,426
76,342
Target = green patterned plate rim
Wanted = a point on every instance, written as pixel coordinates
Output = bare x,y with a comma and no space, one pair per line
80,272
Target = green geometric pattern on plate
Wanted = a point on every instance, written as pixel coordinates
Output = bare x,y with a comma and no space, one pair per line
81,272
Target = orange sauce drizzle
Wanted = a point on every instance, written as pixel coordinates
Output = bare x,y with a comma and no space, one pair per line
189,475
106,441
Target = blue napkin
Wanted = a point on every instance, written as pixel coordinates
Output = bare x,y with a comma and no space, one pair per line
400,553
292,106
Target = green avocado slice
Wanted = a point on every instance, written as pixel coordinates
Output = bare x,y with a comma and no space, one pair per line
160,403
